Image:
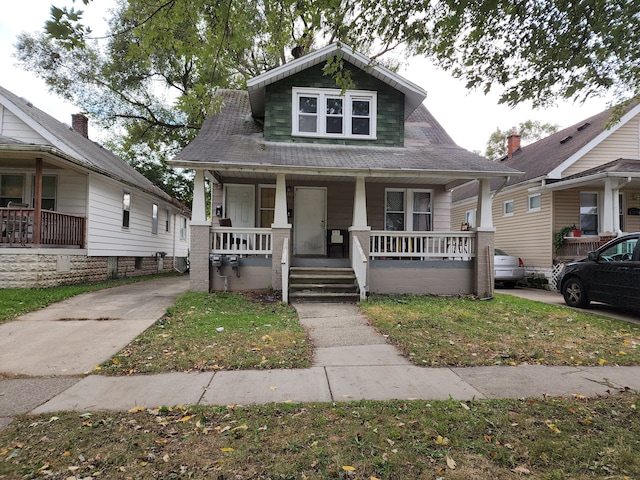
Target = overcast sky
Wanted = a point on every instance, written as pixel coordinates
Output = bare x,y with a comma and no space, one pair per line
469,117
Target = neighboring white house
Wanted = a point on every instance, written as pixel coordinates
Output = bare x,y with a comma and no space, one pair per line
71,211
586,175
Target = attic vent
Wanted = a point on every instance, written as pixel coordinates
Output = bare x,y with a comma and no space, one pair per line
583,126
566,139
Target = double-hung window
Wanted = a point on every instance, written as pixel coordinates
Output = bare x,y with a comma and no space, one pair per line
408,210
11,189
589,218
330,114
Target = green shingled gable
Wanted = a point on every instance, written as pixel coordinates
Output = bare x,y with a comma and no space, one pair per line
390,115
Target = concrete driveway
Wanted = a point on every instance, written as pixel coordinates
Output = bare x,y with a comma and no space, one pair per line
554,298
73,336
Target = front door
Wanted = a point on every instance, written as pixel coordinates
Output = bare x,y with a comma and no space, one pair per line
240,205
309,221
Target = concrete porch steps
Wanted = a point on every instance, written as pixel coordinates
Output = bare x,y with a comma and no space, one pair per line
323,284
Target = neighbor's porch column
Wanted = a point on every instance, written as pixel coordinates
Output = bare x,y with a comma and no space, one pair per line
280,229
200,243
485,240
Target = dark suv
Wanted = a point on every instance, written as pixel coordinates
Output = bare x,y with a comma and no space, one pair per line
610,274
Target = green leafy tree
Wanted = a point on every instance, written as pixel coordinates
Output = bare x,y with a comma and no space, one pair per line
156,73
529,132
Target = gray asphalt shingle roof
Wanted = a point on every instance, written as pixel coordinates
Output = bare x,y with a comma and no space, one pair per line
89,154
540,158
232,136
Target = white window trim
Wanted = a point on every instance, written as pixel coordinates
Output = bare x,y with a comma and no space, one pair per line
322,94
535,209
504,208
408,206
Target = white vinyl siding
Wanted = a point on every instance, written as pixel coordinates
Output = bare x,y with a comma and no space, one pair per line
11,126
623,143
106,237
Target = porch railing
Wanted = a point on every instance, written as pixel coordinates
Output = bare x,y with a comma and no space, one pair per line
56,229
359,265
241,241
422,245
579,247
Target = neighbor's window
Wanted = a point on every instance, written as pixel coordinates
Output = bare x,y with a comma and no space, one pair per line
11,188
48,192
183,228
267,205
508,208
154,218
327,113
470,218
534,203
167,222
408,210
126,209
589,220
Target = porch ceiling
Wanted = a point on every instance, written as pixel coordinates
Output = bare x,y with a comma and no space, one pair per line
448,179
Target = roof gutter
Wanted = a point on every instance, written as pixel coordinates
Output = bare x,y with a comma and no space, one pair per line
564,184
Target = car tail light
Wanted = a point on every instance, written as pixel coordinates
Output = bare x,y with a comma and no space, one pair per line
520,262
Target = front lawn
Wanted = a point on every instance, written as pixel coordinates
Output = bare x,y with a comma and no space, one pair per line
439,332
217,331
537,439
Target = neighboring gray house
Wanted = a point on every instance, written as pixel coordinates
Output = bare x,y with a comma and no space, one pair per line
587,175
306,176
71,211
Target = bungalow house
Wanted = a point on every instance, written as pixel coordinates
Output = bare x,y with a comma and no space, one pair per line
71,211
313,185
585,177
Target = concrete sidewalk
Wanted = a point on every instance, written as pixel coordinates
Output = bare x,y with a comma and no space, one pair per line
352,362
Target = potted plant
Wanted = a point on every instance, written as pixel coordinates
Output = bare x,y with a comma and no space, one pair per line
575,231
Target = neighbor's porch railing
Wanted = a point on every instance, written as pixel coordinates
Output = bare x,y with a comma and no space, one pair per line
423,245
241,241
56,229
579,247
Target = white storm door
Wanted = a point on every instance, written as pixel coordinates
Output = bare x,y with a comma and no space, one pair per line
309,222
240,205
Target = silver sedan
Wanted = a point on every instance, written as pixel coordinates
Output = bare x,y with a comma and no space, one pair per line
507,269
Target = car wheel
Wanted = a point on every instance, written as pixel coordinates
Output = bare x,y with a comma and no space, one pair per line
575,294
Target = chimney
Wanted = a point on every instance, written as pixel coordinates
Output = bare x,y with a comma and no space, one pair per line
513,142
80,124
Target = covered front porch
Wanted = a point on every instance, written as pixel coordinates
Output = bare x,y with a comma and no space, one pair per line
355,233
31,227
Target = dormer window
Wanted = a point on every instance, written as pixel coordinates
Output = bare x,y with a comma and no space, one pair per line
326,113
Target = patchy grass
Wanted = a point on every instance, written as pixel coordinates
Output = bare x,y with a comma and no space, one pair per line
18,301
506,439
438,332
217,331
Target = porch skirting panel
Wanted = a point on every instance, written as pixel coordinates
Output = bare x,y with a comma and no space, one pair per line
41,268
421,278
254,274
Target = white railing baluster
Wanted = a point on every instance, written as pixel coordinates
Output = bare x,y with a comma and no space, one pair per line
422,245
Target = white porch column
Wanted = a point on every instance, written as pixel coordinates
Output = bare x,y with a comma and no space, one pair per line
360,204
484,217
280,219
198,207
607,206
